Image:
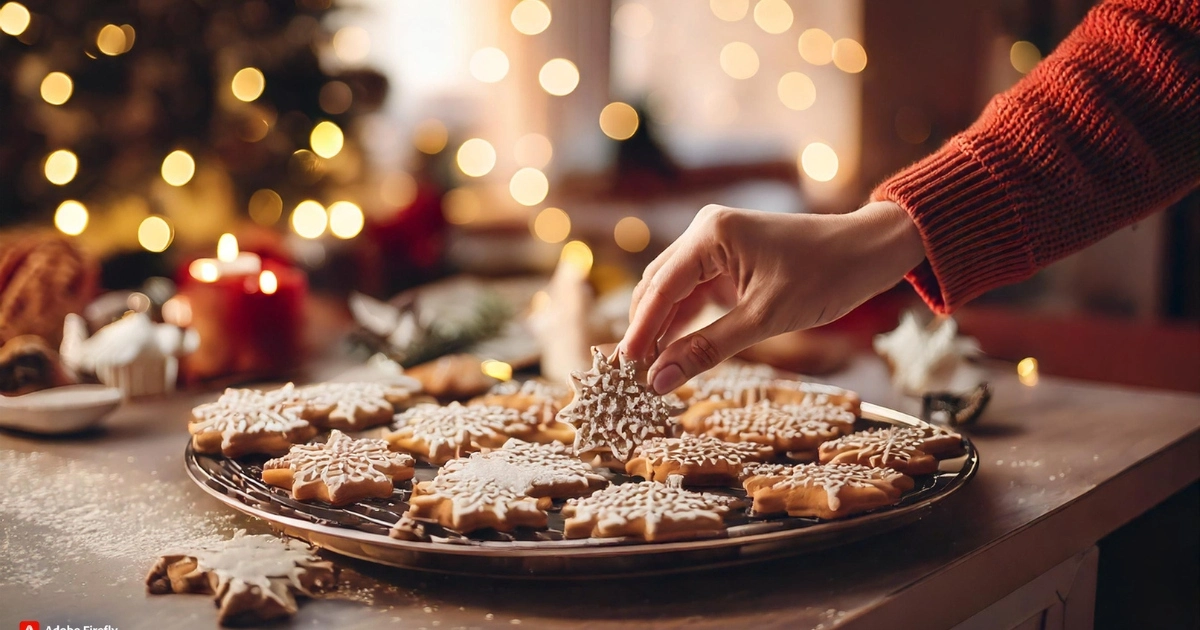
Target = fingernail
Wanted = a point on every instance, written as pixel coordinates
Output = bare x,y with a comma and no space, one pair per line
668,379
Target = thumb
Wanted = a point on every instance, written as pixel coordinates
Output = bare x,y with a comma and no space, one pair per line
739,329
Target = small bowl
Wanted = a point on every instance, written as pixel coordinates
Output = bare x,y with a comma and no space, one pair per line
59,410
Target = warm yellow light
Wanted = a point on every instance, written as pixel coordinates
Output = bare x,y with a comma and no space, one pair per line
14,18
578,255
351,44
529,186
345,219
430,136
248,84
326,139
130,35
552,225
816,47
773,16
633,20
530,16
335,97
56,88
1024,56
204,270
111,40
533,149
1027,371
632,234
178,167
309,219
266,206
558,77
819,161
268,283
489,65
61,167
398,190
498,370
227,248
797,91
71,217
739,60
476,157
729,10
618,121
155,234
461,206
849,56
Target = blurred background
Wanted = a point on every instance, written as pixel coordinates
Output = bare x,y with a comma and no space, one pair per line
378,145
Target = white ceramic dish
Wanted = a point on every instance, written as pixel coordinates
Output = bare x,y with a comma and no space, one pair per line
59,410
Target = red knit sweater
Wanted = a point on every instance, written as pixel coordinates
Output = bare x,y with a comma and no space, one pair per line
1103,132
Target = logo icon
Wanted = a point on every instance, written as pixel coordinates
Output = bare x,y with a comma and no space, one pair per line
29,625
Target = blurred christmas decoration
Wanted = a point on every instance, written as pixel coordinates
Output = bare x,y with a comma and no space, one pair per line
27,365
929,356
134,354
43,277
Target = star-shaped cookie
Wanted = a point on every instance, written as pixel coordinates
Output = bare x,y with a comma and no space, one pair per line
825,491
340,471
910,450
701,460
355,405
651,511
437,434
245,421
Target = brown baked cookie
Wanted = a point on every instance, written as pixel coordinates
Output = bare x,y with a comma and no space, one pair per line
910,450
453,377
825,491
650,511
466,502
43,277
437,434
539,401
791,429
254,579
340,471
245,421
748,383
354,406
700,460
535,470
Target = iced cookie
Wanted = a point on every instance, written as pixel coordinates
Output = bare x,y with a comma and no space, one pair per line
612,411
794,429
254,579
467,502
437,434
454,376
651,511
539,401
536,470
700,460
910,450
245,421
356,405
825,491
340,471
748,383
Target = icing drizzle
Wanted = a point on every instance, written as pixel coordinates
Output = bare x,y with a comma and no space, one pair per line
831,477
652,502
527,469
693,450
340,461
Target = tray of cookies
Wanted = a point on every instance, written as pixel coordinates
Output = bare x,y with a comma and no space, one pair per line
599,478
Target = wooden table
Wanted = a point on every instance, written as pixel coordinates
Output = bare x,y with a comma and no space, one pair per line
1063,464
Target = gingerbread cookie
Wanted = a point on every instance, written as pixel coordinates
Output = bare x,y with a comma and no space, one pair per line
825,491
910,450
254,579
651,511
340,471
536,470
245,421
466,502
700,460
748,383
437,434
454,376
539,401
613,411
794,429
355,405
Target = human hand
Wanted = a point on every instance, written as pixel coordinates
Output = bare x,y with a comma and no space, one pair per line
779,272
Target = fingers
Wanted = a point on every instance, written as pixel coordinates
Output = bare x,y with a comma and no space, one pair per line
699,351
674,280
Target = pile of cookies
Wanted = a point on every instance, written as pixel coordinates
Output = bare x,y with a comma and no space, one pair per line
509,459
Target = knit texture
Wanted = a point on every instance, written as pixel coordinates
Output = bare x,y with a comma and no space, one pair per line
1103,132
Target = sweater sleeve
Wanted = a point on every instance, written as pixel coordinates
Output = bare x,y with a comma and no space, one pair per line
1103,132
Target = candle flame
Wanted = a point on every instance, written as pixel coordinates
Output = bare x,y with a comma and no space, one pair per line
227,248
268,282
204,270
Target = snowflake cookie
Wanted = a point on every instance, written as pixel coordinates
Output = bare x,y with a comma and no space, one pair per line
438,434
355,405
245,421
466,502
539,401
340,471
783,428
651,511
910,450
748,383
825,491
700,460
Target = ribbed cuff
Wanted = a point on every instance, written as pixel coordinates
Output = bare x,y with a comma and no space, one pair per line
973,236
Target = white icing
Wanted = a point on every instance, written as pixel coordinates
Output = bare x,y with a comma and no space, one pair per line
654,502
831,477
613,410
456,426
340,461
245,561
243,411
523,467
750,383
692,450
779,422
347,401
882,447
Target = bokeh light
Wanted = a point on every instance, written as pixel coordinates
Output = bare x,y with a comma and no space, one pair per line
816,47
266,206
849,56
729,10
461,206
309,219
618,121
578,255
489,65
558,77
346,219
268,283
773,16
326,139
430,136
351,44
533,149
498,370
1027,371
178,167
819,161
530,17
529,186
551,225
56,88
204,270
248,84
14,18
71,217
61,167
634,20
155,234
476,157
1024,56
111,40
632,234
335,97
739,60
227,248
797,91
398,190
